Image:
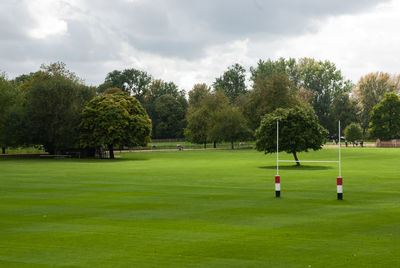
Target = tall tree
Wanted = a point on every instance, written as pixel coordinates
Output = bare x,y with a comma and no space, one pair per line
345,109
198,92
169,118
227,122
269,93
157,89
266,69
353,132
7,99
114,120
327,83
132,81
198,115
54,101
385,118
299,131
232,82
370,90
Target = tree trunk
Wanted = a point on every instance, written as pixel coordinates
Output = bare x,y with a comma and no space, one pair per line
3,150
111,150
232,145
295,158
215,144
205,144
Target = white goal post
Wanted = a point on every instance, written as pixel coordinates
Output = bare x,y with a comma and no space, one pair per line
277,177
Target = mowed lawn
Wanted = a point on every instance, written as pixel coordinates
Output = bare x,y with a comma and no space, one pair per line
201,209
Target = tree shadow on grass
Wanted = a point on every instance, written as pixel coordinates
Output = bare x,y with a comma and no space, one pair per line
76,160
302,167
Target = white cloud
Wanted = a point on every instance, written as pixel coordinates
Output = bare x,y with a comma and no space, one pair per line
357,44
47,17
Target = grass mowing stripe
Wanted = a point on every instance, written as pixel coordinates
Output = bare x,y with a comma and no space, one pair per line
201,209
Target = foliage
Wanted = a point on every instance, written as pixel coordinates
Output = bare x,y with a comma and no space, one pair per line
353,132
159,112
7,100
53,105
114,120
327,83
232,82
385,118
269,68
322,78
371,89
198,92
344,109
268,94
169,118
132,81
299,131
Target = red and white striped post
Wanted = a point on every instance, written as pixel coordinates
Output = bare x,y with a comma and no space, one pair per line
277,186
340,188
277,177
339,180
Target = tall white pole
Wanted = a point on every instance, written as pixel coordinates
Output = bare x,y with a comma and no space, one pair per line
277,177
277,148
340,163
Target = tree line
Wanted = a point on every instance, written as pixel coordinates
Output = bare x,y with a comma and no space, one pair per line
48,107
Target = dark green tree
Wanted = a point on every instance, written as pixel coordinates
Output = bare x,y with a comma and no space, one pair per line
169,118
269,68
114,120
197,94
344,109
385,118
327,83
299,131
226,123
132,81
353,132
232,82
7,100
370,90
198,115
269,93
157,89
53,105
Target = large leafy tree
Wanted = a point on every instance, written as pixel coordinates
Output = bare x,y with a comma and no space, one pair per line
353,132
114,120
54,101
232,82
327,83
345,110
132,81
198,115
299,131
370,90
159,112
385,118
169,118
319,81
269,93
227,122
7,98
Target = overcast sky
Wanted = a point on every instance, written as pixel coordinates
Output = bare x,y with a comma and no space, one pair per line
191,41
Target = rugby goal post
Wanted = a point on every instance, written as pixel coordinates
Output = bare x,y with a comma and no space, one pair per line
339,179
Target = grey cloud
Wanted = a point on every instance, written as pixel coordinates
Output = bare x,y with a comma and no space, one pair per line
170,28
184,28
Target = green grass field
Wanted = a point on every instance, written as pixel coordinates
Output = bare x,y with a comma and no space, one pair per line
201,209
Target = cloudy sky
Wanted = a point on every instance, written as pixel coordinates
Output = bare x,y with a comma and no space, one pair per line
191,41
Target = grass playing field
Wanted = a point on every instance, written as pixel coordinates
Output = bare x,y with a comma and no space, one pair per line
201,209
